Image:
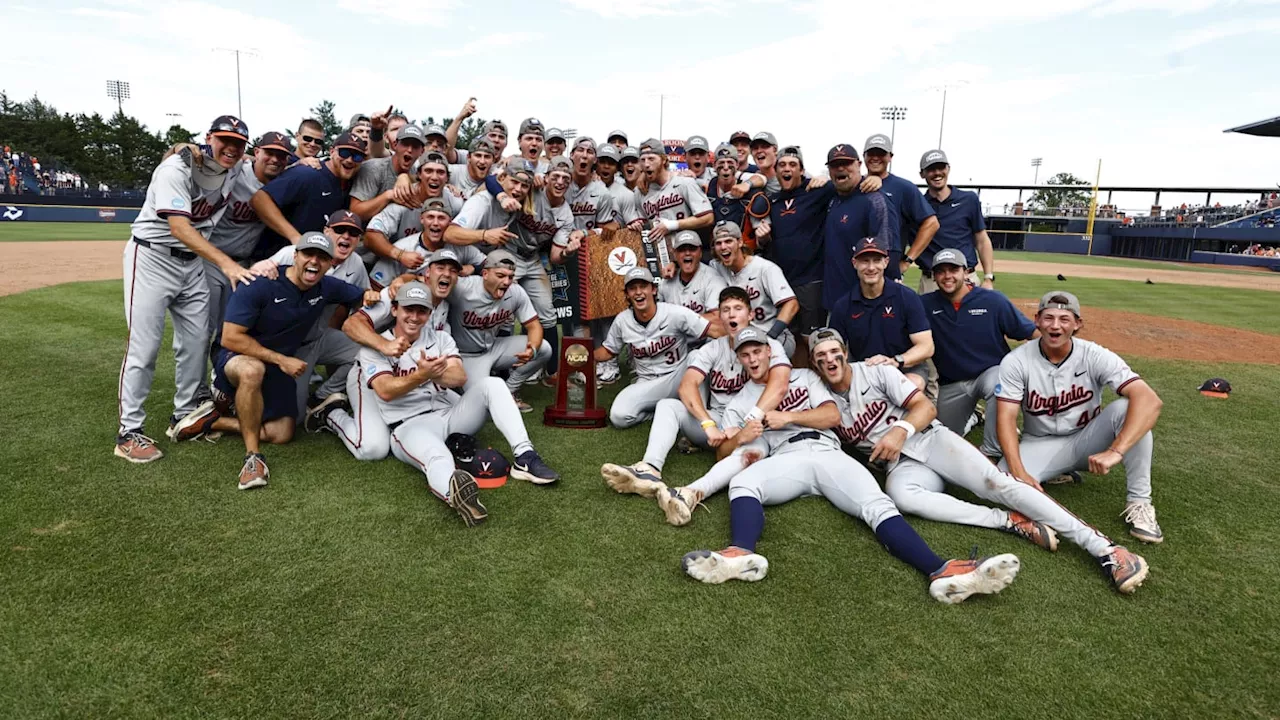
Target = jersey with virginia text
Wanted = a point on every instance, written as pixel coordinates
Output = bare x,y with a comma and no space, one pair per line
482,212
725,375
397,221
427,397
238,230
547,225
387,269
805,391
876,399
475,316
658,347
765,285
678,199
624,202
591,205
1060,399
701,294
174,190
380,317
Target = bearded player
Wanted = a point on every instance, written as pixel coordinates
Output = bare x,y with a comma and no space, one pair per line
1057,382
800,456
884,414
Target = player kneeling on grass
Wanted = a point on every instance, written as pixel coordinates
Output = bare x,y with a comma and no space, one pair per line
415,398
658,334
885,414
715,365
266,324
793,453
1057,383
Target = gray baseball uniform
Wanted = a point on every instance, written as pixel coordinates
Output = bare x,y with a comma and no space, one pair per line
624,202
386,269
591,205
767,287
701,294
375,176
397,222
659,354
678,199
475,317
877,398
1063,421
164,276
460,178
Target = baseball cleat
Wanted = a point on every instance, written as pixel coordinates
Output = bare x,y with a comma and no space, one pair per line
536,378
685,446
607,373
521,405
1070,478
529,466
732,563
1127,569
640,479
958,579
254,474
1036,532
316,418
464,497
1141,517
195,424
137,448
678,504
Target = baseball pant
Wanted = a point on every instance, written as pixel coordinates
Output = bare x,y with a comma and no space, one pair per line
723,472
419,441
531,274
812,314
363,430
503,356
1046,456
636,402
927,285
917,488
330,347
670,418
156,282
957,401
825,472
894,270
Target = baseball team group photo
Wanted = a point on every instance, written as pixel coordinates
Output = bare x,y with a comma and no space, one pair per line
668,406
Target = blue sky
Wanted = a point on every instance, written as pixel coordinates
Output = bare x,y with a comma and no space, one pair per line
1145,85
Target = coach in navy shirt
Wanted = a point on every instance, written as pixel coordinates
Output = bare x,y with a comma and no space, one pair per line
851,216
912,219
883,321
970,325
302,198
960,224
266,322
797,215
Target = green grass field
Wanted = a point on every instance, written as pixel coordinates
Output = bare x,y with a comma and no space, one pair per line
48,231
1070,259
345,589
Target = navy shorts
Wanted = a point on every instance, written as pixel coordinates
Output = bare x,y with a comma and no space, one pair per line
279,391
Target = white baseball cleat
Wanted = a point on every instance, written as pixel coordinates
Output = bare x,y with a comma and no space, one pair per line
640,479
958,579
608,372
1141,517
732,563
678,504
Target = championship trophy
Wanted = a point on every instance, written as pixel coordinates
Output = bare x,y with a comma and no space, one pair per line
575,406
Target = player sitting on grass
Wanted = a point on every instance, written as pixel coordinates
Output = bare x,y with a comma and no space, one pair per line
715,365
658,335
884,414
794,453
1057,382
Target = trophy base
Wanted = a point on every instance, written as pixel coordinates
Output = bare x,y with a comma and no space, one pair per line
579,419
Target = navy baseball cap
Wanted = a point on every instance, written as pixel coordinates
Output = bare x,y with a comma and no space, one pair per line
949,256
489,468
229,126
414,293
346,217
1216,387
869,245
347,140
933,157
740,135
276,141
315,241
841,153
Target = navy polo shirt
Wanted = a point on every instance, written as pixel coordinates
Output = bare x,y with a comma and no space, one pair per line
307,198
908,208
279,314
879,326
797,218
959,219
849,219
970,340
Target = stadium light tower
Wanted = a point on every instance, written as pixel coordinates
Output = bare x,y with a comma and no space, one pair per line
943,118
119,91
893,114
238,52
1035,163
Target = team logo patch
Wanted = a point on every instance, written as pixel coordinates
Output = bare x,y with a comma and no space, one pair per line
622,260
999,387
178,203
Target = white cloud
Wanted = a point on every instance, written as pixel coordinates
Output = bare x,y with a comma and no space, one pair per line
411,12
1221,31
649,8
499,41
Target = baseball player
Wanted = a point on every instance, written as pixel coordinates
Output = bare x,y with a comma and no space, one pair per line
618,139
400,220
301,199
792,452
410,254
697,155
374,186
696,285
906,206
773,302
764,148
725,191
554,143
969,327
415,398
184,202
589,199
354,417
884,415
673,203
608,166
478,307
309,138
658,336
716,366
455,126
741,142
855,213
267,322
468,177
530,139
1057,382
960,225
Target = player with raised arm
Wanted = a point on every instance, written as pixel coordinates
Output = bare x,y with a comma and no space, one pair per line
773,302
1057,383
793,453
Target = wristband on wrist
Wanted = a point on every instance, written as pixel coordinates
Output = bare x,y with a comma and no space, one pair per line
708,424
670,225
911,430
755,414
777,329
375,135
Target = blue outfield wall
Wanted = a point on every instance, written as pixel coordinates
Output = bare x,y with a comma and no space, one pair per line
1068,244
1216,258
67,213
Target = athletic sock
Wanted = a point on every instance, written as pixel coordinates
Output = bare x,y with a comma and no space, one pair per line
746,522
903,543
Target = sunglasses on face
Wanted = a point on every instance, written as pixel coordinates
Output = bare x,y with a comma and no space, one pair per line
313,140
348,231
349,154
